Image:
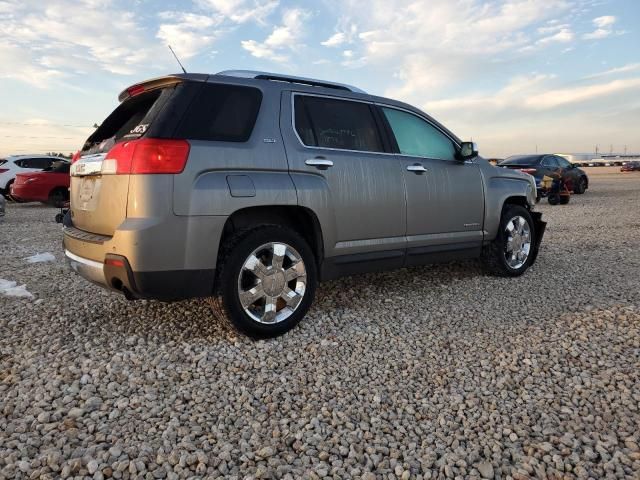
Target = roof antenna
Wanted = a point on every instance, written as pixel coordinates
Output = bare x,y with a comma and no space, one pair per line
177,59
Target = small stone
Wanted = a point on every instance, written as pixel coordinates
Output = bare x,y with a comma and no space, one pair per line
485,469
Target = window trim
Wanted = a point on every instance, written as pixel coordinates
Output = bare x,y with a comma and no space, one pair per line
384,142
381,134
395,141
386,135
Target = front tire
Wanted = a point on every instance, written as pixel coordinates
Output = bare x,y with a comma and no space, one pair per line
581,187
511,253
268,279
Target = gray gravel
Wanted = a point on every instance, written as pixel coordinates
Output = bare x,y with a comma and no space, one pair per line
437,372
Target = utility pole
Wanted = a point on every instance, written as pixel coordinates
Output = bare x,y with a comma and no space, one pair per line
611,149
625,150
596,150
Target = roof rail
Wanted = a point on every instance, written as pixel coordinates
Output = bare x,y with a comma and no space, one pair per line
290,79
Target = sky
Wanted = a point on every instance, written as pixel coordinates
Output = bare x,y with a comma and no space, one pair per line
515,76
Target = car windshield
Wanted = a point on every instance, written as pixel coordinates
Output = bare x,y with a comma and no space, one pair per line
520,160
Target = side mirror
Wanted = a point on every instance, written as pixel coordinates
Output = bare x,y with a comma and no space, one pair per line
468,150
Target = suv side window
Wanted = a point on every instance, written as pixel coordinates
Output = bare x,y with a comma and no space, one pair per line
224,113
550,162
564,163
418,138
331,123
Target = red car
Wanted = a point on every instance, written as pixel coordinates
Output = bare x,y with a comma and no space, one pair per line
48,186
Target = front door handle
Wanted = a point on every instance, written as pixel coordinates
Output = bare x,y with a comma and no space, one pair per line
417,168
320,163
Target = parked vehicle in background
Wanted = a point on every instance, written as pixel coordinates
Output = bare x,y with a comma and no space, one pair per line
49,186
14,164
575,179
255,186
630,167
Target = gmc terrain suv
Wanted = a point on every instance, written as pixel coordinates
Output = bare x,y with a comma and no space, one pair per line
255,186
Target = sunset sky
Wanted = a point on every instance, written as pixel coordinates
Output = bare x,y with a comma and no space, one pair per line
562,75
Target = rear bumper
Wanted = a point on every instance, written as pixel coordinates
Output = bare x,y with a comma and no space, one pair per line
26,192
116,274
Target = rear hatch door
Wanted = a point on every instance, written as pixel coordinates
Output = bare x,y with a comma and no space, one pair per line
99,190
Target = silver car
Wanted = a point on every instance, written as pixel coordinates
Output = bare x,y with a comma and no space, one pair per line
256,186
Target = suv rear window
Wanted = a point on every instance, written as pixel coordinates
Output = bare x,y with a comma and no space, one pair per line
130,120
331,123
224,113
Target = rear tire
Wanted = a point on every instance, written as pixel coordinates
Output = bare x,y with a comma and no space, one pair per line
499,256
564,199
553,199
58,197
273,265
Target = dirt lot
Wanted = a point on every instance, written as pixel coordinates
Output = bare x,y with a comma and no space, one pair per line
436,372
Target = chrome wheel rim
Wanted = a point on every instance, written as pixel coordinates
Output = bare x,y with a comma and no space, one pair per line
272,282
518,245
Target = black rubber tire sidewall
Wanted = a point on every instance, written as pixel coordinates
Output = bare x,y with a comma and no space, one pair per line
231,269
582,186
497,262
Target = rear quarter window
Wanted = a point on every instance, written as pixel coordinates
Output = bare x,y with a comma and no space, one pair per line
225,113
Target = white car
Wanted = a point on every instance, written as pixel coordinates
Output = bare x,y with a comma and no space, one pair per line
14,164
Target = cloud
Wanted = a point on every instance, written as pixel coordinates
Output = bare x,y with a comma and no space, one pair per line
630,67
335,40
345,34
430,49
188,33
98,36
603,22
562,36
604,28
241,11
283,39
564,96
531,93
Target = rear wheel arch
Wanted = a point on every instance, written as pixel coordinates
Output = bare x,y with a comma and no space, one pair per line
300,219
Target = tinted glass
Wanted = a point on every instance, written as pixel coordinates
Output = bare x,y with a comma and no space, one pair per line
418,138
130,120
563,162
520,160
225,113
550,162
60,167
330,123
40,163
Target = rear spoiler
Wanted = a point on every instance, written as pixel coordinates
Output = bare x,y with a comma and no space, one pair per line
160,82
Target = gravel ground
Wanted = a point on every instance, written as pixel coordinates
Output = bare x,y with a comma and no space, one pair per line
436,372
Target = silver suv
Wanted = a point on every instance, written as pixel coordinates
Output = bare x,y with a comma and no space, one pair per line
255,186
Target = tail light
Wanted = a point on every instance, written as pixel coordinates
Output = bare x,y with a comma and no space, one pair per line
147,156
530,171
76,157
135,90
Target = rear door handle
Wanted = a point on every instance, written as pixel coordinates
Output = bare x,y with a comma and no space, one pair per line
320,163
416,168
